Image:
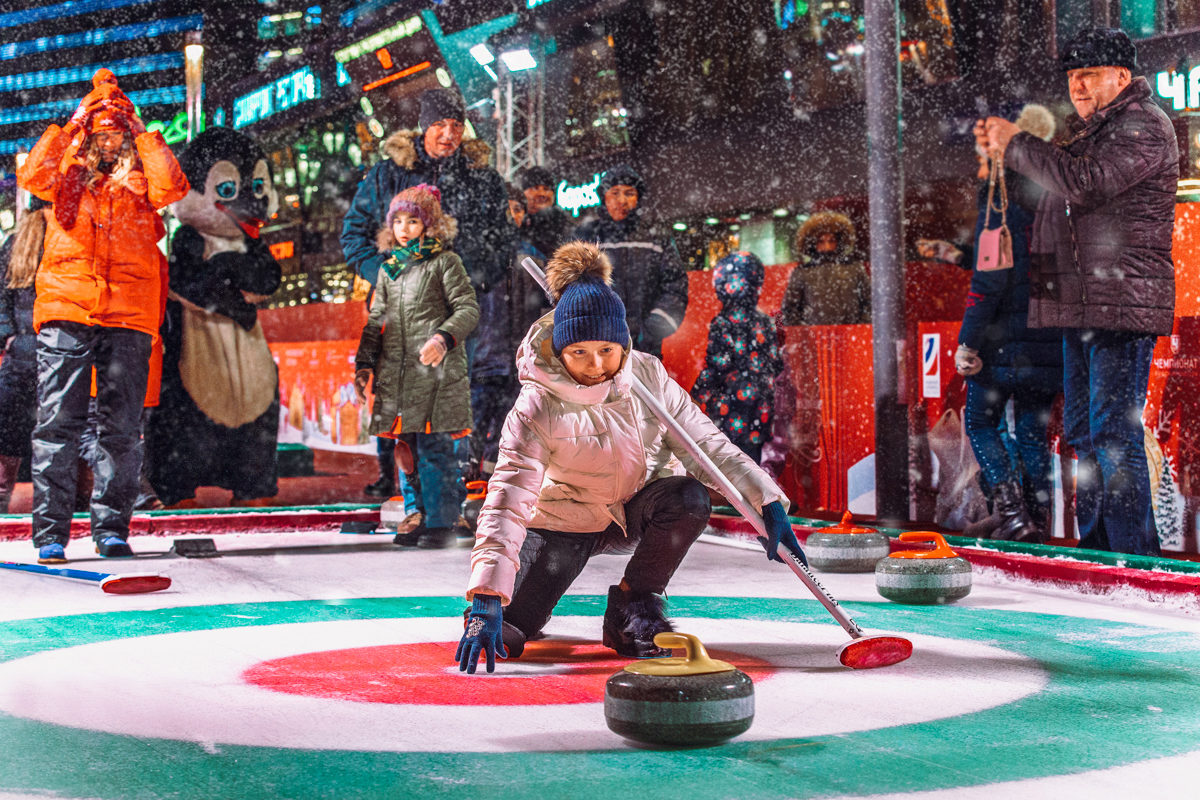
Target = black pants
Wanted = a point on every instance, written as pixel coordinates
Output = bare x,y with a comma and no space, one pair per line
66,353
663,519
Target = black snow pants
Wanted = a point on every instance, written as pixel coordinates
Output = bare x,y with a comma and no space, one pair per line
662,521
66,353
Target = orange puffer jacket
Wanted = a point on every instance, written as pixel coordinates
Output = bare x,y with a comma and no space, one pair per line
104,269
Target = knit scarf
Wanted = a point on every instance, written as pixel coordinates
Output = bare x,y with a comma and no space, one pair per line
419,249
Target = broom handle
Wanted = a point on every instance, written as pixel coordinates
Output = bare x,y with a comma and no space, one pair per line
730,491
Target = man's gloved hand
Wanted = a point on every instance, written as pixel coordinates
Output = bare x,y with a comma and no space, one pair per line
967,361
484,628
779,531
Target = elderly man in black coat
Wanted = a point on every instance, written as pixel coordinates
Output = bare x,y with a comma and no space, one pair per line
1103,272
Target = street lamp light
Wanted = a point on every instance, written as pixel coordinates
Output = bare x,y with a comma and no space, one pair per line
193,70
517,60
482,54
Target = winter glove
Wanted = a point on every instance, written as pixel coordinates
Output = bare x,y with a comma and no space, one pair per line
433,351
967,361
939,250
779,531
90,104
484,627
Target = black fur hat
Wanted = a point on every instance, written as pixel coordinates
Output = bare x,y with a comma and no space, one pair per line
1099,47
622,175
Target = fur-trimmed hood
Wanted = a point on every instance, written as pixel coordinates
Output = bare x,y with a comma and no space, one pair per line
401,148
825,222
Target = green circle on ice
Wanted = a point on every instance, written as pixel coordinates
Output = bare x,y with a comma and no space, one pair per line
1117,693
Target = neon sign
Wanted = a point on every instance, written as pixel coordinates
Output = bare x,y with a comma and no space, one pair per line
172,132
1183,92
289,91
401,30
283,250
574,198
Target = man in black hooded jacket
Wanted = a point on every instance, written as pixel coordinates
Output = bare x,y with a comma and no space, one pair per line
647,271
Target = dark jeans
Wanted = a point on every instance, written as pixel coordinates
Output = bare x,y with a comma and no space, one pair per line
664,519
439,490
1104,382
67,351
984,416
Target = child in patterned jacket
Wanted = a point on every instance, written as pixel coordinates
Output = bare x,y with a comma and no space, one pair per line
735,388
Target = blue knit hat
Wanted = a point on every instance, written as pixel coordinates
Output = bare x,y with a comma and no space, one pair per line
589,311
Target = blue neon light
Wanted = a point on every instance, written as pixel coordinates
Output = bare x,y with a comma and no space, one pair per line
70,8
290,90
121,33
353,15
60,109
84,72
9,147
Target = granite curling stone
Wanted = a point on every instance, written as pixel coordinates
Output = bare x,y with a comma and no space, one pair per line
476,494
923,577
679,701
845,547
392,513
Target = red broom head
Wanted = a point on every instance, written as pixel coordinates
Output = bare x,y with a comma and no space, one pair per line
870,652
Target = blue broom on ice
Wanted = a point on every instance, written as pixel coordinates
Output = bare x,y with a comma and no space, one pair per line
130,583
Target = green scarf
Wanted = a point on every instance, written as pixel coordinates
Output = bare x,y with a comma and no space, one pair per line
420,249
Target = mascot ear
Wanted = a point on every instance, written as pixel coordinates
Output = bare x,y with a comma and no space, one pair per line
263,172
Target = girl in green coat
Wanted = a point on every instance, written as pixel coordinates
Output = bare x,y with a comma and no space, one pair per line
423,310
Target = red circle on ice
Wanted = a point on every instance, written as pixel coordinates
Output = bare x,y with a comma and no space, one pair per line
425,673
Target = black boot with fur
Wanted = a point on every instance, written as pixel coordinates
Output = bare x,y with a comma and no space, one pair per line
1016,524
631,621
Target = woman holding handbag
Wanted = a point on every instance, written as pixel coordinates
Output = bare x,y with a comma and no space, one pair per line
1002,358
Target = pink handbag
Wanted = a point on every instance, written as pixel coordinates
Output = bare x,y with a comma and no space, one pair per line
994,250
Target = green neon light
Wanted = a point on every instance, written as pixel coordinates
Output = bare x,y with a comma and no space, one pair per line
400,30
172,132
574,198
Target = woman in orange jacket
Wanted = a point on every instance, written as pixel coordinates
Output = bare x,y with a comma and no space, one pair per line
99,291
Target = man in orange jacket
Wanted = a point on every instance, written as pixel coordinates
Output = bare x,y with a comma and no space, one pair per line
98,305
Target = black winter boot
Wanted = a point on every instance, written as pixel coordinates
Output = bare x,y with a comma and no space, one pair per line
1016,524
631,621
1039,512
385,485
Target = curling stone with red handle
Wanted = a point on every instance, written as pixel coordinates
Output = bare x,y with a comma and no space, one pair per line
476,494
923,577
845,547
689,700
392,513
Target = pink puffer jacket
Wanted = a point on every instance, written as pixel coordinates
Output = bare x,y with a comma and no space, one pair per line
571,456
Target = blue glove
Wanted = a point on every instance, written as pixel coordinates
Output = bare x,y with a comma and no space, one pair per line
484,626
779,531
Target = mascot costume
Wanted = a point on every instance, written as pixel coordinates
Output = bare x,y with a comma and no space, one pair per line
218,418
